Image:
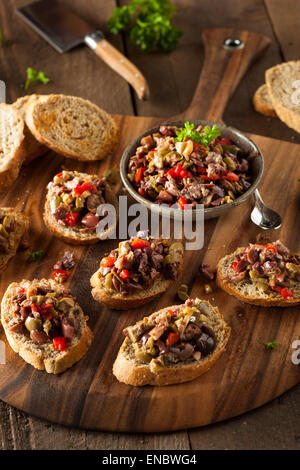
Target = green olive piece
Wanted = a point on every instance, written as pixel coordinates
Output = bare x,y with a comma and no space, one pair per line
175,253
33,324
231,149
108,283
182,292
230,163
65,304
141,355
57,201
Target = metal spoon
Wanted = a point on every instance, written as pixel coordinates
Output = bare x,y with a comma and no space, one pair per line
264,217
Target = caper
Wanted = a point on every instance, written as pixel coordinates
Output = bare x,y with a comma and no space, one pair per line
175,253
33,324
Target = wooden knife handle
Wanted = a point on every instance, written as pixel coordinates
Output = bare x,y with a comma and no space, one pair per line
223,70
118,62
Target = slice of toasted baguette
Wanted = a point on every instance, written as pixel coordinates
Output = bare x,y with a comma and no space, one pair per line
11,145
44,356
68,234
72,126
131,371
247,291
118,301
21,225
32,147
283,83
262,102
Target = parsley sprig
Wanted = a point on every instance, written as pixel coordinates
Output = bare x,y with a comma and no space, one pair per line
150,23
35,76
35,255
271,345
204,137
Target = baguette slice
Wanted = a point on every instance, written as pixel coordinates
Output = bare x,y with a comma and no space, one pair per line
248,291
72,126
44,356
262,102
68,234
131,371
21,225
283,83
118,301
11,145
32,147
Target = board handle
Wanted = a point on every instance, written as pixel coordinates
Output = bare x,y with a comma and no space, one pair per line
118,62
228,54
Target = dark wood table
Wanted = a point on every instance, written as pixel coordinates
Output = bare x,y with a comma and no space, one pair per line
172,79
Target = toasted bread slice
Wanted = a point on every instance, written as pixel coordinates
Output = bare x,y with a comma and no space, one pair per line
247,291
44,356
69,234
72,126
11,145
128,369
21,225
283,83
32,147
119,301
262,102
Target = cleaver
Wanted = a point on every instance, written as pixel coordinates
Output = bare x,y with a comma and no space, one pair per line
64,30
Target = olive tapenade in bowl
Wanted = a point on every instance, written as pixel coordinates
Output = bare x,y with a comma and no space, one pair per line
182,164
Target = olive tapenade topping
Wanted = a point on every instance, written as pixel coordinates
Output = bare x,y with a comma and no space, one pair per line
189,166
45,315
175,335
74,199
271,267
7,226
138,262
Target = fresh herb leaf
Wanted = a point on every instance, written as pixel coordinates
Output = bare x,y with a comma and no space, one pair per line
204,138
150,23
35,255
35,76
271,345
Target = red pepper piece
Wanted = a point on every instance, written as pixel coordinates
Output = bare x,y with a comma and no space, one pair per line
60,343
142,192
108,261
80,188
139,243
198,148
201,170
208,178
182,202
59,175
35,307
139,175
20,290
125,275
60,275
72,219
231,176
287,293
44,310
172,339
233,265
171,312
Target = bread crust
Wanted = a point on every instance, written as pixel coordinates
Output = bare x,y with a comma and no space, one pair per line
71,236
232,288
131,372
35,126
22,223
9,172
288,116
260,104
39,359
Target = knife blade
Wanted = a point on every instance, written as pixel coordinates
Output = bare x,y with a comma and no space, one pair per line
64,30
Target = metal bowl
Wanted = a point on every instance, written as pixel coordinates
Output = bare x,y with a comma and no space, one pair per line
255,158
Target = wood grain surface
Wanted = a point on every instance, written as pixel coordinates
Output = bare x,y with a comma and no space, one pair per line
172,80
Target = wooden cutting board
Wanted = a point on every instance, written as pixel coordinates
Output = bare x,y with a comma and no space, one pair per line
247,375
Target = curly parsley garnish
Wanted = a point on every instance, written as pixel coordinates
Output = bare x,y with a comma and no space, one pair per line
271,345
152,28
35,255
35,76
204,137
